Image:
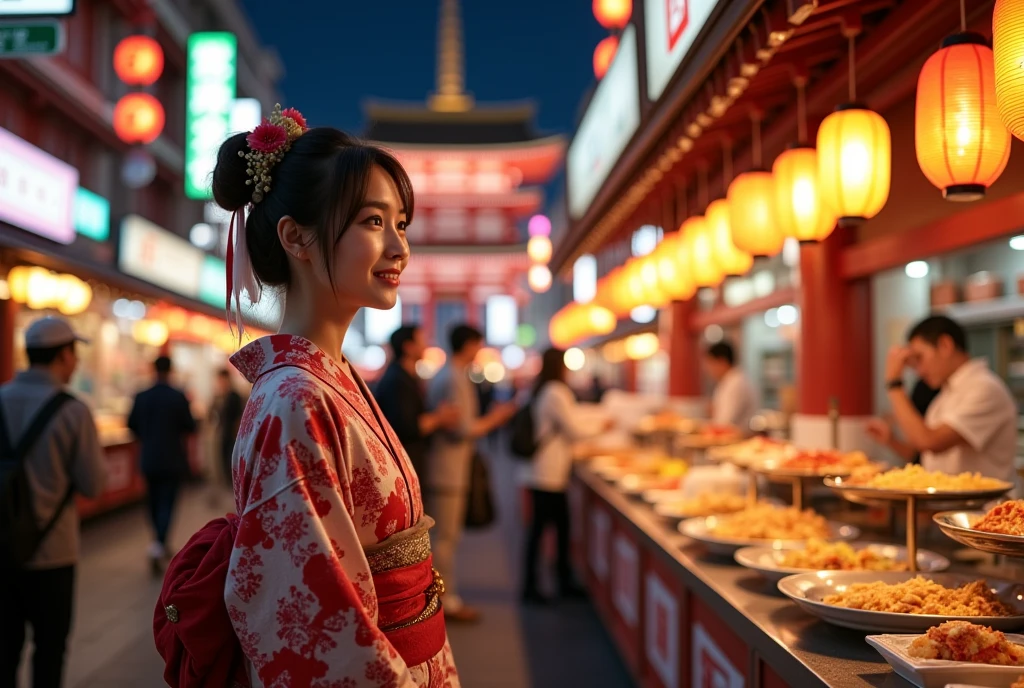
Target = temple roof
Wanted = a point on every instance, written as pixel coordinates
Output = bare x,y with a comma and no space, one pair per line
483,124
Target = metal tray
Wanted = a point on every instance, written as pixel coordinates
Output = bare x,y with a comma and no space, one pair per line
809,589
860,493
699,529
958,525
768,561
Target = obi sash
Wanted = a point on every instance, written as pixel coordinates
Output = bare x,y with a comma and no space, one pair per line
409,593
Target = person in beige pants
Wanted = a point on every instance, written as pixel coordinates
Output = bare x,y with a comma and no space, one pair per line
449,459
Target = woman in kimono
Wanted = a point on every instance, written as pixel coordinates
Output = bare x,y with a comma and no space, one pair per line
330,583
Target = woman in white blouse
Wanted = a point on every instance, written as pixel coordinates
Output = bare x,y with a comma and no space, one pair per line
558,424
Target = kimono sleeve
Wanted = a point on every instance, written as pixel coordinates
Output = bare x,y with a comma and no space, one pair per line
299,591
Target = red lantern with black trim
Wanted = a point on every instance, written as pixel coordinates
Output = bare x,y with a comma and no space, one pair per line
138,118
138,60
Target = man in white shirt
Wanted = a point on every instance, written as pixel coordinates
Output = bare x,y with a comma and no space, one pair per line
970,426
733,402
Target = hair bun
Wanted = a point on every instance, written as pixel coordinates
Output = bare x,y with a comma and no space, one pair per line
229,177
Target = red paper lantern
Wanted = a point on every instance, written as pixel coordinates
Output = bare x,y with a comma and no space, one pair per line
962,145
604,53
138,118
138,60
613,14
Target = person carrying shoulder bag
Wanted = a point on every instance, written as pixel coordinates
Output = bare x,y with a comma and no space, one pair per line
49,450
557,425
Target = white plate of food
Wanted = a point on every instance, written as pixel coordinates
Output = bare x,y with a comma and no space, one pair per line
898,484
999,531
763,524
922,658
705,504
901,602
820,555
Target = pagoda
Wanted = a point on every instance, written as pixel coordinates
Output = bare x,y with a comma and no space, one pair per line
476,170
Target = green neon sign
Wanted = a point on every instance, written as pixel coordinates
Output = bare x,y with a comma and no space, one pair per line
213,282
91,215
210,82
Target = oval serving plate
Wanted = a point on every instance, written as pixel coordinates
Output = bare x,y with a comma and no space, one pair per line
699,529
856,493
959,525
809,589
768,561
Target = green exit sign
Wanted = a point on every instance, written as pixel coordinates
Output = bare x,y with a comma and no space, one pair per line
31,39
209,94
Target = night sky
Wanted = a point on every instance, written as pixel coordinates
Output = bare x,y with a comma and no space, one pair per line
337,53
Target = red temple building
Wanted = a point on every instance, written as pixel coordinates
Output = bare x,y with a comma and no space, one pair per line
477,170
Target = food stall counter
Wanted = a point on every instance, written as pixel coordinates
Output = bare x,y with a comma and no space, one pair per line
681,617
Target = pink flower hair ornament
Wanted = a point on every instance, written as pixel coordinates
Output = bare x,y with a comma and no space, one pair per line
268,144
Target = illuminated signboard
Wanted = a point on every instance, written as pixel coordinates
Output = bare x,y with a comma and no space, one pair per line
672,26
37,191
151,253
36,8
92,214
611,118
209,99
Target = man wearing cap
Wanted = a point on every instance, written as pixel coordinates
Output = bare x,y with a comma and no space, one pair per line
67,457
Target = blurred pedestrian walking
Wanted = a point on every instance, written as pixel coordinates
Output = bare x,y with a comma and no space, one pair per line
450,458
49,450
403,399
225,417
162,421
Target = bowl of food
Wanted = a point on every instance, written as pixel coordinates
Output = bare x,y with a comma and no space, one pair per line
1000,530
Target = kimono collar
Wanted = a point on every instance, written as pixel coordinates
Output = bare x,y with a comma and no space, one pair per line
267,353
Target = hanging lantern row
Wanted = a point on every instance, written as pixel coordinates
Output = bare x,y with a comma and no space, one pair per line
613,15
579,321
139,118
539,249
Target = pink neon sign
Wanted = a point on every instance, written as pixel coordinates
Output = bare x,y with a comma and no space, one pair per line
37,191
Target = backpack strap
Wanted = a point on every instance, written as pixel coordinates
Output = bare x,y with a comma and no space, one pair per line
19,452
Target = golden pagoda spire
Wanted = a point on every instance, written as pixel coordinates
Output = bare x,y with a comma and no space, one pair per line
450,63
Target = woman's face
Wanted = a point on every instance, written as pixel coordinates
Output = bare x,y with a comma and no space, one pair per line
369,259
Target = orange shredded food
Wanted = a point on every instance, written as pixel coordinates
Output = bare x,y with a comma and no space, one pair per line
962,641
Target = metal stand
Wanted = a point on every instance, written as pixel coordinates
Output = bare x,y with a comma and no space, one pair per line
751,488
912,533
798,494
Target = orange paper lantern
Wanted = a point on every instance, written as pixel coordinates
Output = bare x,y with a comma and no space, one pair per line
613,14
854,163
673,270
138,118
1008,49
604,53
701,249
962,145
732,260
752,216
138,60
799,210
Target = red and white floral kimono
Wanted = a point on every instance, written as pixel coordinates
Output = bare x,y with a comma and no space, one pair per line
330,584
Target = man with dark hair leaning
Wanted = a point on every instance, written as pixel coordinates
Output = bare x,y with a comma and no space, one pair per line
402,398
733,402
450,458
66,458
970,426
162,421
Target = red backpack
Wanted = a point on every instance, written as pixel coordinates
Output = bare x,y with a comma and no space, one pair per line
191,627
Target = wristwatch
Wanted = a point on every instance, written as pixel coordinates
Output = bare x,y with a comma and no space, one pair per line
894,384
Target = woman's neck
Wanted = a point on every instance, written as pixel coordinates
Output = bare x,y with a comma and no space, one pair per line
304,317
